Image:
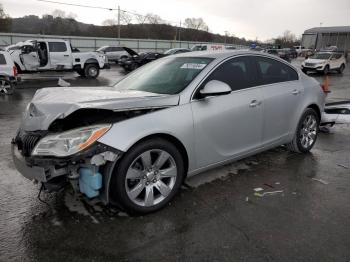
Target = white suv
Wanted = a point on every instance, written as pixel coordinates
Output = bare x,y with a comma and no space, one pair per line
114,53
8,73
324,62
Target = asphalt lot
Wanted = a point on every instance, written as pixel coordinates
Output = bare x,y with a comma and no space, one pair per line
216,218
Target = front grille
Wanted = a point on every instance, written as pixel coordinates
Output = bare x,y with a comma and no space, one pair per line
309,64
26,142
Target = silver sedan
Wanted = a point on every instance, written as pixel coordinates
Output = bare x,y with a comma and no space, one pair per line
134,143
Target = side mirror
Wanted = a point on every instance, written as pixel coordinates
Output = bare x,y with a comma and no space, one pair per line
215,88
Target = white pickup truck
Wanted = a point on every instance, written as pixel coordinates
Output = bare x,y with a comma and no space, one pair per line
55,55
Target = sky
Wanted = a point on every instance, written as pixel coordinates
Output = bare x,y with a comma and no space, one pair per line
252,19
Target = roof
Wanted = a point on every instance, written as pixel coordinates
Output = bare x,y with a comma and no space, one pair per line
330,29
218,54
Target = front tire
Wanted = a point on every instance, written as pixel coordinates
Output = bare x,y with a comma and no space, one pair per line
307,131
6,87
92,71
326,70
148,176
341,69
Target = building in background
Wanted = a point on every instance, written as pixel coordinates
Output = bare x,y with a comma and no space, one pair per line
322,37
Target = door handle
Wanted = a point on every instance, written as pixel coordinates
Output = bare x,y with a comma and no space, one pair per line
254,103
295,92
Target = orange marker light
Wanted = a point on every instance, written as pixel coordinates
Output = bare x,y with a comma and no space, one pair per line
94,136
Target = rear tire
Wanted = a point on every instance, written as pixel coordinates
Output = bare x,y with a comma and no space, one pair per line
92,71
139,184
81,72
306,134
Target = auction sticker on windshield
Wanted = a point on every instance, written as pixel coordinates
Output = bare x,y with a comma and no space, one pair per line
193,66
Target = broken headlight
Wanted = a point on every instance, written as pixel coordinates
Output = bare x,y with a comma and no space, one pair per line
69,142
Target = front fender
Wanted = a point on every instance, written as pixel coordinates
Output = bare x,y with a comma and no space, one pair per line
176,121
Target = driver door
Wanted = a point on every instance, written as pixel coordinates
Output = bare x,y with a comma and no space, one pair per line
230,125
30,58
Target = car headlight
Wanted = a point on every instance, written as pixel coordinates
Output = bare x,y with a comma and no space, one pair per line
69,142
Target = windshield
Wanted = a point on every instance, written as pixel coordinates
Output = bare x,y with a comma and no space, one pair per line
321,56
166,76
102,48
170,51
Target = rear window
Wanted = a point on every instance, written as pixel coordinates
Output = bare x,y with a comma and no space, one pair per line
57,47
2,59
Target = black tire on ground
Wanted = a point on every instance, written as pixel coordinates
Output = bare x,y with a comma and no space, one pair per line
91,71
296,144
304,71
134,66
118,187
341,69
6,87
326,70
81,72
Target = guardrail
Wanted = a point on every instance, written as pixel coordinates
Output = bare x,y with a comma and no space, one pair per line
92,43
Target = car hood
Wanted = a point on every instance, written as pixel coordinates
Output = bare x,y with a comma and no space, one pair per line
49,104
315,61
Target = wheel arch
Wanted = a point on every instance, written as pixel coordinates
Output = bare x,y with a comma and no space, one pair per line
317,109
172,139
91,61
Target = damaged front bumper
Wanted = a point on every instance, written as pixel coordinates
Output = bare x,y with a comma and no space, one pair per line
55,173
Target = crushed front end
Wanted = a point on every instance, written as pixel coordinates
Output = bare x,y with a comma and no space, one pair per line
71,157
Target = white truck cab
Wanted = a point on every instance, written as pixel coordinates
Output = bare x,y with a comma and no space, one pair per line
55,55
208,47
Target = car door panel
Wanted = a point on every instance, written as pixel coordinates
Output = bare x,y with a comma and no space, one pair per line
281,93
226,126
60,55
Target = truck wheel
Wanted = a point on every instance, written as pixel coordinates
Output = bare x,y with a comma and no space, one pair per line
92,71
81,72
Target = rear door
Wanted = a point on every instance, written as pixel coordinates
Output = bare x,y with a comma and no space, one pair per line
281,93
29,57
228,125
60,55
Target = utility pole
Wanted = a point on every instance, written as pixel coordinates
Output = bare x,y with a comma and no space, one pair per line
119,23
180,32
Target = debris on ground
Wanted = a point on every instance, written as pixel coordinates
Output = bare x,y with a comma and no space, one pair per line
277,183
258,189
268,185
268,193
346,167
63,83
320,180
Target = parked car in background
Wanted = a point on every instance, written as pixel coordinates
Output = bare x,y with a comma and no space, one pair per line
176,51
292,53
114,53
134,143
278,52
136,60
41,55
208,47
8,74
324,62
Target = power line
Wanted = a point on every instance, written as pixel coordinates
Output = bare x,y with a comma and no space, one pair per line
100,7
87,6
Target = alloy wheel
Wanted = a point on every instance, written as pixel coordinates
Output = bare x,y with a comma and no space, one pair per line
151,177
5,87
308,131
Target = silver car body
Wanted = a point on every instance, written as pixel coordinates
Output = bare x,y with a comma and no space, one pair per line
213,131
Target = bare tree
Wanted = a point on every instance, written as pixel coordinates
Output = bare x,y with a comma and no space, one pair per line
110,22
154,19
141,19
58,13
125,18
5,20
196,23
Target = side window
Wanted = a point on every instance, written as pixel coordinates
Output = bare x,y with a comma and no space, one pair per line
238,73
272,71
2,59
57,47
204,48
